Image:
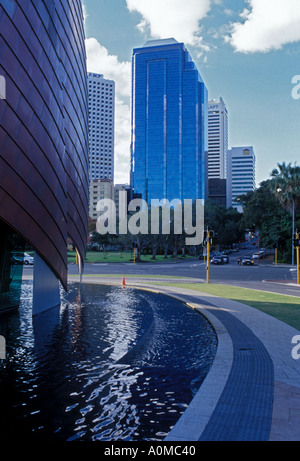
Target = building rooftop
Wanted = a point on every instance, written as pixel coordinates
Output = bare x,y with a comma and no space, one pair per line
161,42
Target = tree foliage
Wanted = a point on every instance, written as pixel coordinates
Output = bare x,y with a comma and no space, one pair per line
286,185
264,210
225,222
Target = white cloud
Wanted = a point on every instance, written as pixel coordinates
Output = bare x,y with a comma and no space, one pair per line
172,18
267,25
101,62
228,12
122,142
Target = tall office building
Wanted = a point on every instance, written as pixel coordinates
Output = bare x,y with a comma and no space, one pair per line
217,139
101,126
100,189
240,174
169,123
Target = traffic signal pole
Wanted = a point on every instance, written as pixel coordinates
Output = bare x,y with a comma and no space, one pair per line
208,236
296,244
298,257
298,277
208,256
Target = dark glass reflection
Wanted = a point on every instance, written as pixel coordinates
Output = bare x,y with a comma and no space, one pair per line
11,267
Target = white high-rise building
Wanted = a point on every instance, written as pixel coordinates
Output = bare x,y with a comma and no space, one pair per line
240,174
101,126
217,139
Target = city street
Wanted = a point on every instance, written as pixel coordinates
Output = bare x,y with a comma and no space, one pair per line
264,275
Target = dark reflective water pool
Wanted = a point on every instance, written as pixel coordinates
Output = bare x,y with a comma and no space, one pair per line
108,364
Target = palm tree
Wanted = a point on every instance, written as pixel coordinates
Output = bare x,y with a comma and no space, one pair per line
286,185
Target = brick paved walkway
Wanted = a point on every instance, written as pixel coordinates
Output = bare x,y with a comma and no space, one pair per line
244,410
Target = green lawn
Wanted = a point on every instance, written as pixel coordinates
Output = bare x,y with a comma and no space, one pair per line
283,307
117,257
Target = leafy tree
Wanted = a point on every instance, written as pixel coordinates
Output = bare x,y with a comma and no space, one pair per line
102,240
225,222
264,212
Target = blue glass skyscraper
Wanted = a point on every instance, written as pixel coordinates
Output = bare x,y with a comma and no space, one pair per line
169,123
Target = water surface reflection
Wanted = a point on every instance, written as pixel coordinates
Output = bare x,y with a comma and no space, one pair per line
108,364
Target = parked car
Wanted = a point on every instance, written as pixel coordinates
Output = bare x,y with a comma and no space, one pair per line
28,259
18,260
261,254
217,260
220,259
225,259
246,261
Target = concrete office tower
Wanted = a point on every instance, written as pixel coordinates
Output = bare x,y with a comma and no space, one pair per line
169,123
240,174
217,139
101,126
100,189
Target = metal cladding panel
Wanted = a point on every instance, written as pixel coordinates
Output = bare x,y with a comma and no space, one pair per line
44,126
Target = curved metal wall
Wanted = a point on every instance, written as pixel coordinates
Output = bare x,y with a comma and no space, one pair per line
44,126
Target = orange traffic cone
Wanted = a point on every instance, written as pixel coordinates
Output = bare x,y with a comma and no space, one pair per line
123,282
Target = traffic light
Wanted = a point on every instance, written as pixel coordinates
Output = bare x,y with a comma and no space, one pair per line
208,236
296,240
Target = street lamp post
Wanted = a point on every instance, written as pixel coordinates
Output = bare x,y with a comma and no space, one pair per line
293,217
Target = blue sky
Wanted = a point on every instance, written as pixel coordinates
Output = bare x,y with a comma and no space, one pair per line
247,52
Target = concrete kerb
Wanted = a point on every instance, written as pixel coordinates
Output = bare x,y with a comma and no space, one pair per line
194,420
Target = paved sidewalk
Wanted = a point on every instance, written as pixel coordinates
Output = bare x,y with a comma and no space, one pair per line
252,391
273,347
284,282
